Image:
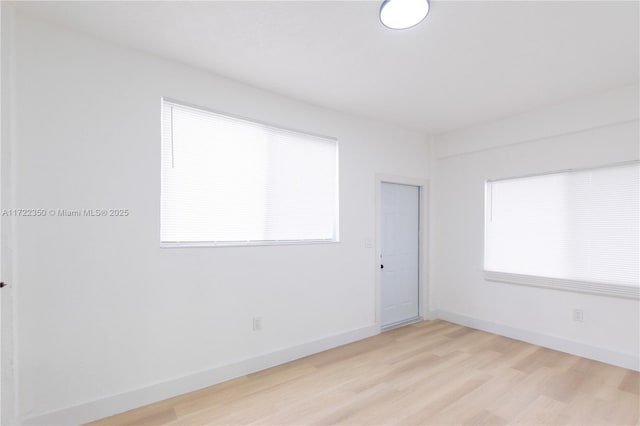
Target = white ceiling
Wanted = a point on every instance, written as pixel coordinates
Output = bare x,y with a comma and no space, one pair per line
468,62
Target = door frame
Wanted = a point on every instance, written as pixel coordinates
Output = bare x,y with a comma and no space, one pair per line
423,246
8,359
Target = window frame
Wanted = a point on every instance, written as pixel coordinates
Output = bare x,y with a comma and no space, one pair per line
576,286
247,243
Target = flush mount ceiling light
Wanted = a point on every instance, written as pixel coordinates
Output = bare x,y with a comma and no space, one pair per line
402,14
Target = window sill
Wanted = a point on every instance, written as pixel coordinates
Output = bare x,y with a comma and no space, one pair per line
192,244
602,289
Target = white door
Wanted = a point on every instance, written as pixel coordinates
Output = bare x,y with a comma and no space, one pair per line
399,257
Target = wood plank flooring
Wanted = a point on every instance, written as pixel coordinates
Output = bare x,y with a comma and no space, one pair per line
428,373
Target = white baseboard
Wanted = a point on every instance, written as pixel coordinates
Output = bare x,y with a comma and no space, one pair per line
620,359
114,404
430,315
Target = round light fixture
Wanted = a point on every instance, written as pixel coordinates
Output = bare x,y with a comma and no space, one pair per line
402,14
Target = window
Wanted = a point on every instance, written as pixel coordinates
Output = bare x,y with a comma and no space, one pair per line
229,181
575,230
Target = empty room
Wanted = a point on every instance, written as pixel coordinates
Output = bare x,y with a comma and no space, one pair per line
292,213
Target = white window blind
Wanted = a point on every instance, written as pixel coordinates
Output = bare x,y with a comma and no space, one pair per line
575,230
231,181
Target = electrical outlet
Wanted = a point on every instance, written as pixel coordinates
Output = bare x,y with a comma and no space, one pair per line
578,315
257,323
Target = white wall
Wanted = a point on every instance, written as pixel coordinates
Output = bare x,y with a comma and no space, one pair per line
100,309
593,131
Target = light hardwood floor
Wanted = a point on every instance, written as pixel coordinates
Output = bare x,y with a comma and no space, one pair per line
432,372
